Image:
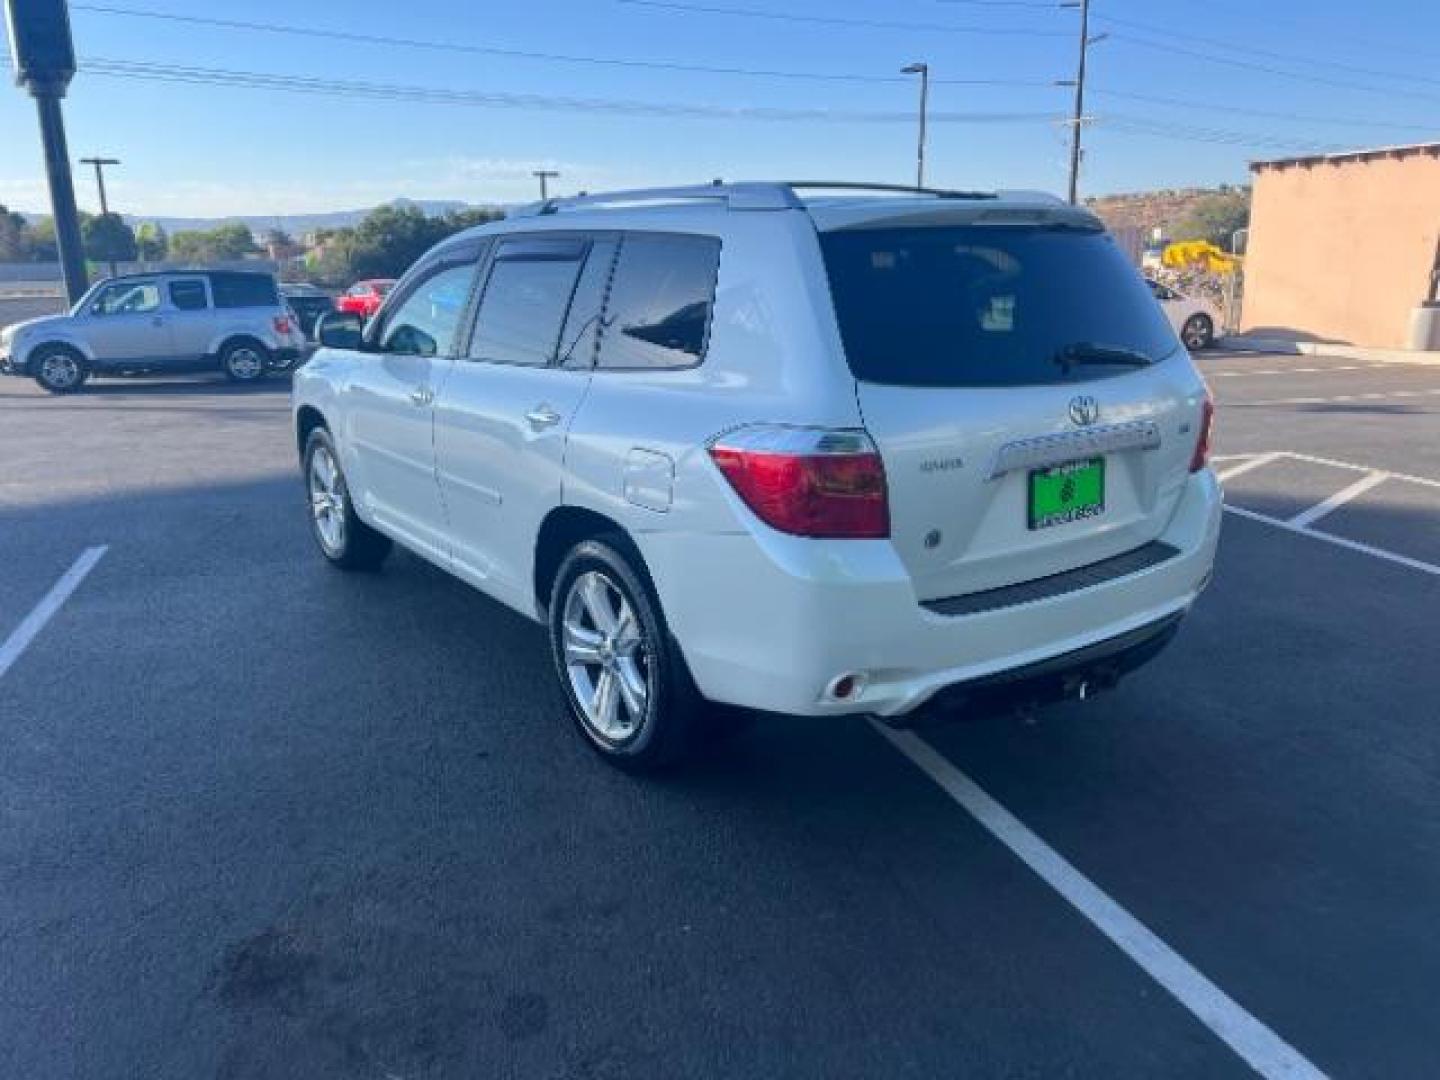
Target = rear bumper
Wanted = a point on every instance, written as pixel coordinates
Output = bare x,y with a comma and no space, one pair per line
773,624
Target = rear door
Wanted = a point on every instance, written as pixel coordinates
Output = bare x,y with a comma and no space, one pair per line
192,319
1034,410
504,410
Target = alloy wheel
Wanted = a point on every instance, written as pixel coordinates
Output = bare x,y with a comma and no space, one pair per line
60,370
606,657
245,363
327,500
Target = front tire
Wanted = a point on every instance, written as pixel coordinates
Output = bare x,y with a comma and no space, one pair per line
622,674
59,369
244,361
1198,333
341,536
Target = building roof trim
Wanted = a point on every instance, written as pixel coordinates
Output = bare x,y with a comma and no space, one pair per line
1345,157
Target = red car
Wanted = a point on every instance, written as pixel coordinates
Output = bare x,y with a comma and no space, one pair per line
364,297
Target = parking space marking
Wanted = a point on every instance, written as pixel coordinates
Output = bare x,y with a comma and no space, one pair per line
1339,499
1265,1051
1338,541
1339,399
1409,478
1254,462
49,604
1295,370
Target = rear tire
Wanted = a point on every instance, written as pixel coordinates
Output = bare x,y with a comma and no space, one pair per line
629,691
341,536
59,369
244,360
1198,333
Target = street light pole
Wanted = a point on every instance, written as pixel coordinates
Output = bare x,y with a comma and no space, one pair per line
923,70
544,175
100,163
1078,119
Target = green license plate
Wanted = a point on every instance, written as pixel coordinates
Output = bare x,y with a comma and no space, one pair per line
1065,493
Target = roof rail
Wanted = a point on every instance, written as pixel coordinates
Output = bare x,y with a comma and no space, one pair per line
741,196
894,189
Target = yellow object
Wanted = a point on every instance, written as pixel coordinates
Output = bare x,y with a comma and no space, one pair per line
1201,254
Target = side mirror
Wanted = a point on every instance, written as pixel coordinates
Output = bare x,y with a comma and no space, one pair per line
340,330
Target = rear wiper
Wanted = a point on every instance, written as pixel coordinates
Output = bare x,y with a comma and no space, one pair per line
1081,353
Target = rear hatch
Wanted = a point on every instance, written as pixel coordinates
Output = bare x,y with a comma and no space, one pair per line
1033,408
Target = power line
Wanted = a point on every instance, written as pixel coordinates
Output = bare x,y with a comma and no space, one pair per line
496,99
1267,114
1333,65
838,20
357,37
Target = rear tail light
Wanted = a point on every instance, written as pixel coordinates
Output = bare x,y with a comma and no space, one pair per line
282,324
808,481
1202,445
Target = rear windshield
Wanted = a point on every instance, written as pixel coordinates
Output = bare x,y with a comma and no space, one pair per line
990,306
241,290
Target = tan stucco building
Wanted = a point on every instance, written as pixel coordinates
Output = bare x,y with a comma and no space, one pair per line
1342,246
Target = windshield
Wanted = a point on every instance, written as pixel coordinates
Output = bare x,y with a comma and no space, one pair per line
990,306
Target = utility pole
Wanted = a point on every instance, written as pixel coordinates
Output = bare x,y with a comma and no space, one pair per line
100,163
923,70
1078,119
544,175
44,59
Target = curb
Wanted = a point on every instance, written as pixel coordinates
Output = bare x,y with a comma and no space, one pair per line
1284,346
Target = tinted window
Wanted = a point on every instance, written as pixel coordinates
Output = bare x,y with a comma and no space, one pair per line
127,298
582,325
660,300
523,310
244,290
989,306
424,324
188,295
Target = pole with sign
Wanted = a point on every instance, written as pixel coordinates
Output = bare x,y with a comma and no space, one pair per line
44,57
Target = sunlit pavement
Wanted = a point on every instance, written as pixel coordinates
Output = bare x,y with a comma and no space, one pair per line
264,819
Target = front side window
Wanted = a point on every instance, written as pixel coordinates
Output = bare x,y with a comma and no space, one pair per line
523,310
188,295
661,295
127,298
990,305
425,323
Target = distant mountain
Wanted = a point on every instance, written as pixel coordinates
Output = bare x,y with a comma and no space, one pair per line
294,224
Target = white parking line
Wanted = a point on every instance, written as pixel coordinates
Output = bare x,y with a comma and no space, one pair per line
1407,477
1265,1052
1339,499
49,604
1253,463
1337,399
1338,541
1294,370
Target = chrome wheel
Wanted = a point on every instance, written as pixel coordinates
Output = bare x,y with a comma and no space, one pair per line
327,500
606,657
244,363
60,370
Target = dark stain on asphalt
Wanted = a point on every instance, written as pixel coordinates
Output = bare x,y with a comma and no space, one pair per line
524,1016
270,968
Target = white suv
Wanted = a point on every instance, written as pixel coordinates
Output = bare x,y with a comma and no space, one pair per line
858,453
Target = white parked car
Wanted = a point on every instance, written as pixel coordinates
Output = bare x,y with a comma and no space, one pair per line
1194,320
141,324
859,454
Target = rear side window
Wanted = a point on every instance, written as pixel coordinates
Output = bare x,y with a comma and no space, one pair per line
990,306
188,295
244,290
661,295
582,324
526,297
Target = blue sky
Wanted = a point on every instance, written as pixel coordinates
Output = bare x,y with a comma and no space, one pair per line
198,149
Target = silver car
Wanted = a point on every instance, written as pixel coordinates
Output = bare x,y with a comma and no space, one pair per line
138,324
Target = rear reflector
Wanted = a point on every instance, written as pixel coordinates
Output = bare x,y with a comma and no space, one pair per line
1201,457
807,481
282,324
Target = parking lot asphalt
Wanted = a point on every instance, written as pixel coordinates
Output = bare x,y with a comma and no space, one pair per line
262,819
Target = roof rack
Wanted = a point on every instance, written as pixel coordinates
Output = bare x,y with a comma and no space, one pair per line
736,196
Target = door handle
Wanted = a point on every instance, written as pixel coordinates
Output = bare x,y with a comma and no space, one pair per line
542,417
422,395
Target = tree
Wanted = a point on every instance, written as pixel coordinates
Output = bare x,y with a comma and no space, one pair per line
107,238
151,242
14,236
1215,218
226,242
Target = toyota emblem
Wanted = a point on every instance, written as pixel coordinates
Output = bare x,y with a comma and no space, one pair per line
1084,410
